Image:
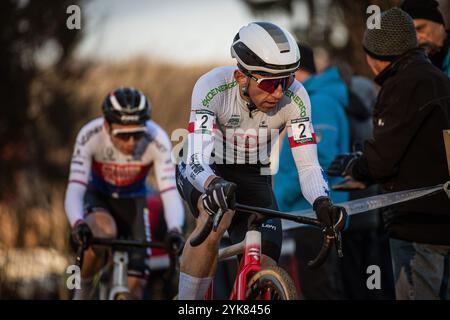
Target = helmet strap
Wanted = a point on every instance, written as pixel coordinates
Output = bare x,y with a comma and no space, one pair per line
250,105
245,89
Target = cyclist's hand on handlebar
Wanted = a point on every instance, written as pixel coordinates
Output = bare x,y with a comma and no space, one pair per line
219,194
176,241
82,234
330,215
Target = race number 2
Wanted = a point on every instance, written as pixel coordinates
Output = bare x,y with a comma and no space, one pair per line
302,132
204,122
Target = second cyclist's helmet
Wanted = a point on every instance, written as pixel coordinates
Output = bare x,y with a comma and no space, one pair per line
126,106
266,48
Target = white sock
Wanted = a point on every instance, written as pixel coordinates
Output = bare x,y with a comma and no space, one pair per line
86,291
192,288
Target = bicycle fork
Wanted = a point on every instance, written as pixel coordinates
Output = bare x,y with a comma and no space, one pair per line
250,264
120,274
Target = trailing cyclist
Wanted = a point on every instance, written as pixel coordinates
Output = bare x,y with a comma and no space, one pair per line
235,113
106,192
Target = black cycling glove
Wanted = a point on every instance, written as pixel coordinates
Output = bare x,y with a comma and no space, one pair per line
329,214
175,241
82,234
219,194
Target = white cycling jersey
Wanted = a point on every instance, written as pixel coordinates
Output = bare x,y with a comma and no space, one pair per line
96,162
222,129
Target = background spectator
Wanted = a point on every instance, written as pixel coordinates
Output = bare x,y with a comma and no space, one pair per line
407,151
431,33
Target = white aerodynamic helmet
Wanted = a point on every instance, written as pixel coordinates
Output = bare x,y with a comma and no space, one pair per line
265,48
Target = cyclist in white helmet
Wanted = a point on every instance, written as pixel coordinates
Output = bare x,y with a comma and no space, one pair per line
106,192
235,111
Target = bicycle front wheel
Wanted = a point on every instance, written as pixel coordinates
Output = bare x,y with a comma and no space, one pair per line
272,283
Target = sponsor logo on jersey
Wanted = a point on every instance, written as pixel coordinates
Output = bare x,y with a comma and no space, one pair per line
77,157
195,165
120,174
109,154
77,171
213,92
76,162
88,135
298,101
233,122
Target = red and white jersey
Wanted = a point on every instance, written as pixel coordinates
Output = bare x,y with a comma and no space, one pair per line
222,129
98,163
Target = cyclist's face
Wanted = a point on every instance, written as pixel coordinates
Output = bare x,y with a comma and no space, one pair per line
264,100
125,137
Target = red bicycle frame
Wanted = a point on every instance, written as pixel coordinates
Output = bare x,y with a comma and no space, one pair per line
250,264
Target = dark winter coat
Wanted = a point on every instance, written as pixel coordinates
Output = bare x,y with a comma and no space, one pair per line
407,150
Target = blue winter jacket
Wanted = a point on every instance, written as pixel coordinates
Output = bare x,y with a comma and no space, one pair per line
446,64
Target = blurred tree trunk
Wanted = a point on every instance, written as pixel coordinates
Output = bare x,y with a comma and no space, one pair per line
355,17
25,28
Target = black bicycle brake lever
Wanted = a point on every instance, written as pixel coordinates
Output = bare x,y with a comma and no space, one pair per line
217,218
338,243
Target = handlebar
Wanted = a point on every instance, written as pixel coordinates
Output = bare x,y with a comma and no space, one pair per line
116,243
447,188
330,235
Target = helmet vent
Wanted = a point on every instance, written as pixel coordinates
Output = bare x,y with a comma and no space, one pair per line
277,35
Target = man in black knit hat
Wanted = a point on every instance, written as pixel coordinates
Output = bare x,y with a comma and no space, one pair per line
431,33
407,151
